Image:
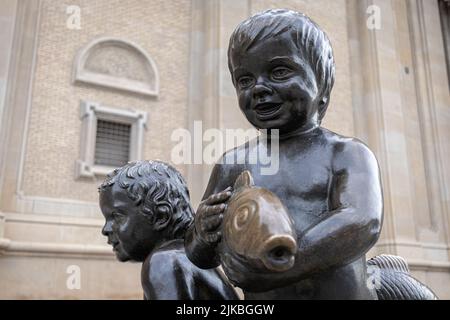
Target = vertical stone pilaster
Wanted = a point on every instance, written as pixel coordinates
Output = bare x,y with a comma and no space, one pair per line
401,107
212,96
18,101
431,84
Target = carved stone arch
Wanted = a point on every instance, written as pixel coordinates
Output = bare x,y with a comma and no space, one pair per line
118,64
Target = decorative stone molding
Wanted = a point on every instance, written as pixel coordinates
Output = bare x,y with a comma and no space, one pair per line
60,250
2,224
17,103
51,249
118,64
70,248
91,112
56,207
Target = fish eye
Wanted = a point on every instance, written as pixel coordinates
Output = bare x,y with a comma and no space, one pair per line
244,214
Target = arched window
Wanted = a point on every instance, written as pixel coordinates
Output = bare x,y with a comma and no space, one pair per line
117,64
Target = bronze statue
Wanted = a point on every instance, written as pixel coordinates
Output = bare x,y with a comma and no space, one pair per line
282,67
147,211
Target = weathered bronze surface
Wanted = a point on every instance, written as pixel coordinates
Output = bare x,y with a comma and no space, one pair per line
147,210
282,67
257,229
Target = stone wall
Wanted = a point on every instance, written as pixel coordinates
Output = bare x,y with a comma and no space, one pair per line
50,219
55,127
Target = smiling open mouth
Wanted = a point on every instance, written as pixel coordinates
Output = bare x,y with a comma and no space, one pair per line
267,111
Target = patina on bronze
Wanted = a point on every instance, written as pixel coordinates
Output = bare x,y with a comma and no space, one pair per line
257,230
282,67
147,211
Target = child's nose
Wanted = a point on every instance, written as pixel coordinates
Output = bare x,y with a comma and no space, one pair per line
106,229
260,90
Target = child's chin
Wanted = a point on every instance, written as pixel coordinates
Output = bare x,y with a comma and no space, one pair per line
122,256
264,124
267,125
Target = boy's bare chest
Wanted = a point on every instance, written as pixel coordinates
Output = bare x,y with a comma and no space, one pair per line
304,176
302,183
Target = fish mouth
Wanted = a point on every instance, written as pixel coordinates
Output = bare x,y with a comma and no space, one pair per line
279,252
267,110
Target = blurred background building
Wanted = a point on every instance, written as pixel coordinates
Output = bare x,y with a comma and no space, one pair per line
86,86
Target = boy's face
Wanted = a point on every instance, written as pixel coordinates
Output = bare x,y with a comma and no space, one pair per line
129,232
276,86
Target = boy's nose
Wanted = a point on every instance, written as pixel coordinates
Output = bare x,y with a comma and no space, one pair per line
260,90
106,230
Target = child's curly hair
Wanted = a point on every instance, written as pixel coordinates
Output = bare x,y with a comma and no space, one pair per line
155,186
306,35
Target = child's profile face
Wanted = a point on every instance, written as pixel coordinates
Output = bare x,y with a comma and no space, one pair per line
275,85
129,232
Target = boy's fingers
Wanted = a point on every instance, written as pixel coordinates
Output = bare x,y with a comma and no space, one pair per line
219,197
213,237
215,210
212,223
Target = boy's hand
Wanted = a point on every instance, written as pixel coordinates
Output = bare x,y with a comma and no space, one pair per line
209,216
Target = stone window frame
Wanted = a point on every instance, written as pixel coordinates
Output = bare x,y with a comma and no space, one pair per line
82,75
90,113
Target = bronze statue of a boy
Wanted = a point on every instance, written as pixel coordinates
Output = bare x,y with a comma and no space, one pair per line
147,210
282,67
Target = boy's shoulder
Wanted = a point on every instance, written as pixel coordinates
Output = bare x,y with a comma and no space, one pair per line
169,255
341,142
238,154
169,274
348,150
228,167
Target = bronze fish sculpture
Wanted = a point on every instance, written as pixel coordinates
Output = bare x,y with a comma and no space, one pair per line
257,229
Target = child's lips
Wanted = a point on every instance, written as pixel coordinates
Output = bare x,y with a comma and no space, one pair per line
114,244
267,110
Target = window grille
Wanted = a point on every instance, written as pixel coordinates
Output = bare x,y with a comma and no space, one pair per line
112,144
110,137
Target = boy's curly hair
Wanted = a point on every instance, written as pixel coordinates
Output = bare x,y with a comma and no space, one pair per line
155,185
306,35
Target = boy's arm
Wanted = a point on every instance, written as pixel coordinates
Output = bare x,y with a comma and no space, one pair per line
353,224
346,232
201,251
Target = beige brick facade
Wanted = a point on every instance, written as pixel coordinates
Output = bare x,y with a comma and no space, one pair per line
54,127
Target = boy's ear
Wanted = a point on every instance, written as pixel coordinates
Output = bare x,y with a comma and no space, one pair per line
323,104
163,214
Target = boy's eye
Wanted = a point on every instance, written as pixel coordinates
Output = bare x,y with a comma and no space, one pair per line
118,216
245,82
281,72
